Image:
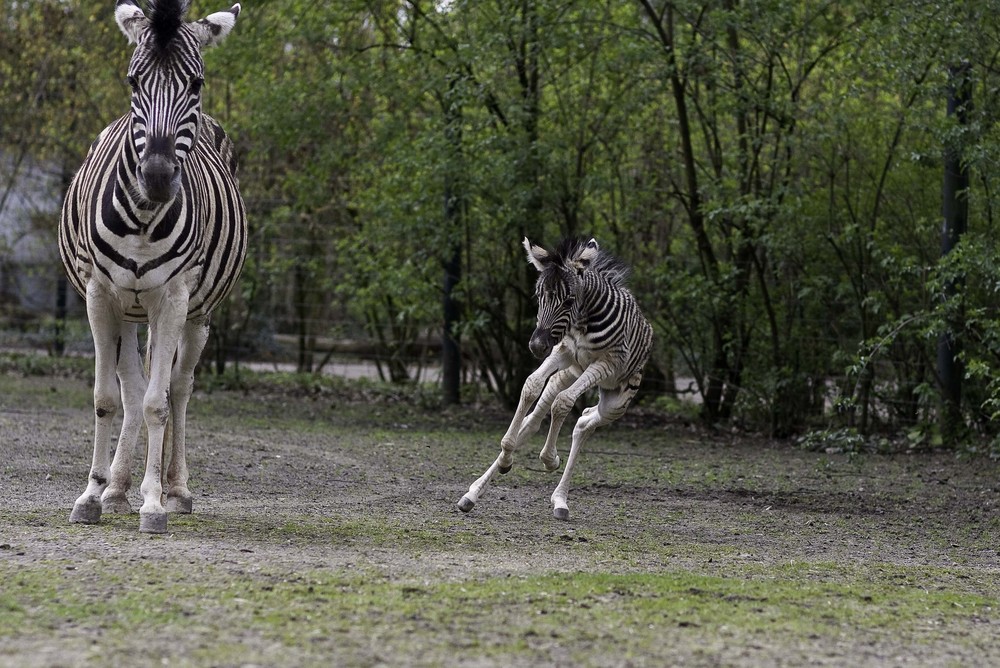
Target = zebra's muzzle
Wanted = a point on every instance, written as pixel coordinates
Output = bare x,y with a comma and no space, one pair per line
541,343
159,178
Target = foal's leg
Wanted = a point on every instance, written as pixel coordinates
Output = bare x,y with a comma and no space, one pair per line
611,406
133,387
556,384
563,403
181,384
105,326
533,387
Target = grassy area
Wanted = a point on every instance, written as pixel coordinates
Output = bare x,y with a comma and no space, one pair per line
346,614
325,533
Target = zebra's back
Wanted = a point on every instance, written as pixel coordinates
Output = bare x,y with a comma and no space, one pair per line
613,325
203,235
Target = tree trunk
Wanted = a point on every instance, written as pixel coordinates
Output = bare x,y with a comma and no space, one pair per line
955,208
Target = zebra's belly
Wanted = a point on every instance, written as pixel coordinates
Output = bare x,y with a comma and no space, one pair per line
151,274
135,290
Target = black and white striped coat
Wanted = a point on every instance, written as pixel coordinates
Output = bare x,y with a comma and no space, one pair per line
153,230
589,333
127,246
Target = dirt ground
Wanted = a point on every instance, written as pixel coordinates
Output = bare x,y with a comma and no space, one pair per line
351,501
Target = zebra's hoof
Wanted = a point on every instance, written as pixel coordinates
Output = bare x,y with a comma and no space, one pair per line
116,504
561,513
87,511
179,504
466,504
504,470
153,522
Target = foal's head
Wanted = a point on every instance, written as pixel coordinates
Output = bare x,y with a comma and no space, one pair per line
558,289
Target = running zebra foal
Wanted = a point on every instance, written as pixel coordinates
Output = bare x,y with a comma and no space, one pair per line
589,333
153,230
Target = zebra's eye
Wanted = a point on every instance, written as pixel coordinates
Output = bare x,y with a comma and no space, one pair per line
132,82
196,84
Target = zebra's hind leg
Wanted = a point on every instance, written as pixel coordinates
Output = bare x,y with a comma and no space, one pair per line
181,385
133,387
611,406
585,426
104,326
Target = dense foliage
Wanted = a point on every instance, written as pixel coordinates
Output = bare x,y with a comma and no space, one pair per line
771,170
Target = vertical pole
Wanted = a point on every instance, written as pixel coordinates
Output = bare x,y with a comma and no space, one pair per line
955,210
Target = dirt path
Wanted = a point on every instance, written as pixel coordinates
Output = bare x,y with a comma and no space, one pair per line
325,532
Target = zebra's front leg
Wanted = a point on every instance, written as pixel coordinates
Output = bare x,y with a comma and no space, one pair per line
133,387
193,341
104,323
167,315
533,388
516,432
557,383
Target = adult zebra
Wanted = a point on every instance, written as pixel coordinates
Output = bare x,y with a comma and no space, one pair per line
590,333
153,229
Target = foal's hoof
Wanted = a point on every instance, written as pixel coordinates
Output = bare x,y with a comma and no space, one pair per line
551,464
87,511
561,513
504,470
153,522
179,504
466,504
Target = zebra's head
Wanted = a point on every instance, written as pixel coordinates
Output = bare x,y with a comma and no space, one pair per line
557,289
166,75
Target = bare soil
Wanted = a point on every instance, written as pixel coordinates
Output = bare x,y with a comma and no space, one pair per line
330,492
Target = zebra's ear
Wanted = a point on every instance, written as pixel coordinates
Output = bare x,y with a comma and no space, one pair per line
214,28
586,256
589,251
537,255
130,19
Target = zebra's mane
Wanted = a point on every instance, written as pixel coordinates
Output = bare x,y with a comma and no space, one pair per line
165,19
603,263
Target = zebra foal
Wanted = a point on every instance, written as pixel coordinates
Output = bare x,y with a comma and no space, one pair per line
589,333
153,230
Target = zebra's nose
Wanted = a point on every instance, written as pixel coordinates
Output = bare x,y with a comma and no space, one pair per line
159,176
541,343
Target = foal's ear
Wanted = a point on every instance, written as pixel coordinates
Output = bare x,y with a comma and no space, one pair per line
130,19
586,256
214,28
537,255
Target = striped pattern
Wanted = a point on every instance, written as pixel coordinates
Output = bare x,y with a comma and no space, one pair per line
582,294
105,227
153,229
589,334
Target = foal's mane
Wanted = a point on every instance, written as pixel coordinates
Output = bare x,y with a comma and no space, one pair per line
602,263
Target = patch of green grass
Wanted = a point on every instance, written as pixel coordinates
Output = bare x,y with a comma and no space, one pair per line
356,614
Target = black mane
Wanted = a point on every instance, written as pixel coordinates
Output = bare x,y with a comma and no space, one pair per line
604,264
166,17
